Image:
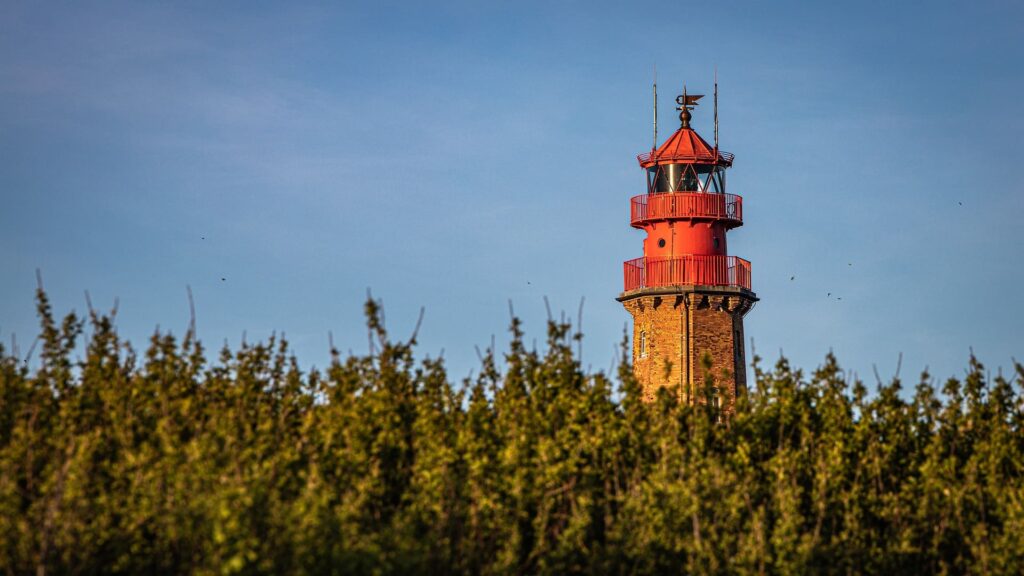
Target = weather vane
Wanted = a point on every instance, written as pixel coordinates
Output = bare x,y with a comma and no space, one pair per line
686,103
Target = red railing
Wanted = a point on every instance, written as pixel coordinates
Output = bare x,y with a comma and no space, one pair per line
686,271
712,157
646,207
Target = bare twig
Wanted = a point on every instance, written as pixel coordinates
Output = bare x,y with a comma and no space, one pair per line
31,349
191,314
416,330
88,304
579,331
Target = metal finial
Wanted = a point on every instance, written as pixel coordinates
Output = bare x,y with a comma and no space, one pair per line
686,102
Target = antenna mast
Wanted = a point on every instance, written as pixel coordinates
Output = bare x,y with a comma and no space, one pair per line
655,144
716,110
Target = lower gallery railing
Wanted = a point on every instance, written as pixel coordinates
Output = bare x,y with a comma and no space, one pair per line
686,271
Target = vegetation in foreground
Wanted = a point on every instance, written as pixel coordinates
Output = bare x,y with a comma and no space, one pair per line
166,462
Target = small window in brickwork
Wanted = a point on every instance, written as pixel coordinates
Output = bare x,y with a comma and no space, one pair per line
716,403
643,344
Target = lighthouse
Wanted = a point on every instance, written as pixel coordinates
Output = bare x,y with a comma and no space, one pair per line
686,294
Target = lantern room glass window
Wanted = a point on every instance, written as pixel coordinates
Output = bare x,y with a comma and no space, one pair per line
666,178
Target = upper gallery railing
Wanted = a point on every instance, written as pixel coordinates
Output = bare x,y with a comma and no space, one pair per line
664,206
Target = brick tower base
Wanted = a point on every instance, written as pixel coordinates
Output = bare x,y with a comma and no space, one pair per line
677,330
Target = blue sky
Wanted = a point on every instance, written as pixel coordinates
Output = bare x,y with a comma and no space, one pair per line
281,159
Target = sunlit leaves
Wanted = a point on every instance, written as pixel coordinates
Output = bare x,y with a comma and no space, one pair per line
169,463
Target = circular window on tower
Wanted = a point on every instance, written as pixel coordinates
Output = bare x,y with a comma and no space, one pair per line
661,242
716,242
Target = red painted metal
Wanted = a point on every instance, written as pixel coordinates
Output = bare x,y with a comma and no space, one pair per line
694,270
686,242
672,238
685,147
694,205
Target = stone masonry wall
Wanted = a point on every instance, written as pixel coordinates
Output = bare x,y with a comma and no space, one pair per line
677,331
659,324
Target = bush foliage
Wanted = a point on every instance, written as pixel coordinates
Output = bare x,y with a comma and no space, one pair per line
166,462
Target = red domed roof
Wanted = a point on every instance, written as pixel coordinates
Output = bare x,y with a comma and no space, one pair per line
685,147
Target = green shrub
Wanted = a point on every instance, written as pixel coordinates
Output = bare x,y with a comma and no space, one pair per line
169,463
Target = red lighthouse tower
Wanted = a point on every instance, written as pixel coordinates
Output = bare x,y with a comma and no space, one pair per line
686,294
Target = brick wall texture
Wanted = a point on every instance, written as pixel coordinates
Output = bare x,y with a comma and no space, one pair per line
673,337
